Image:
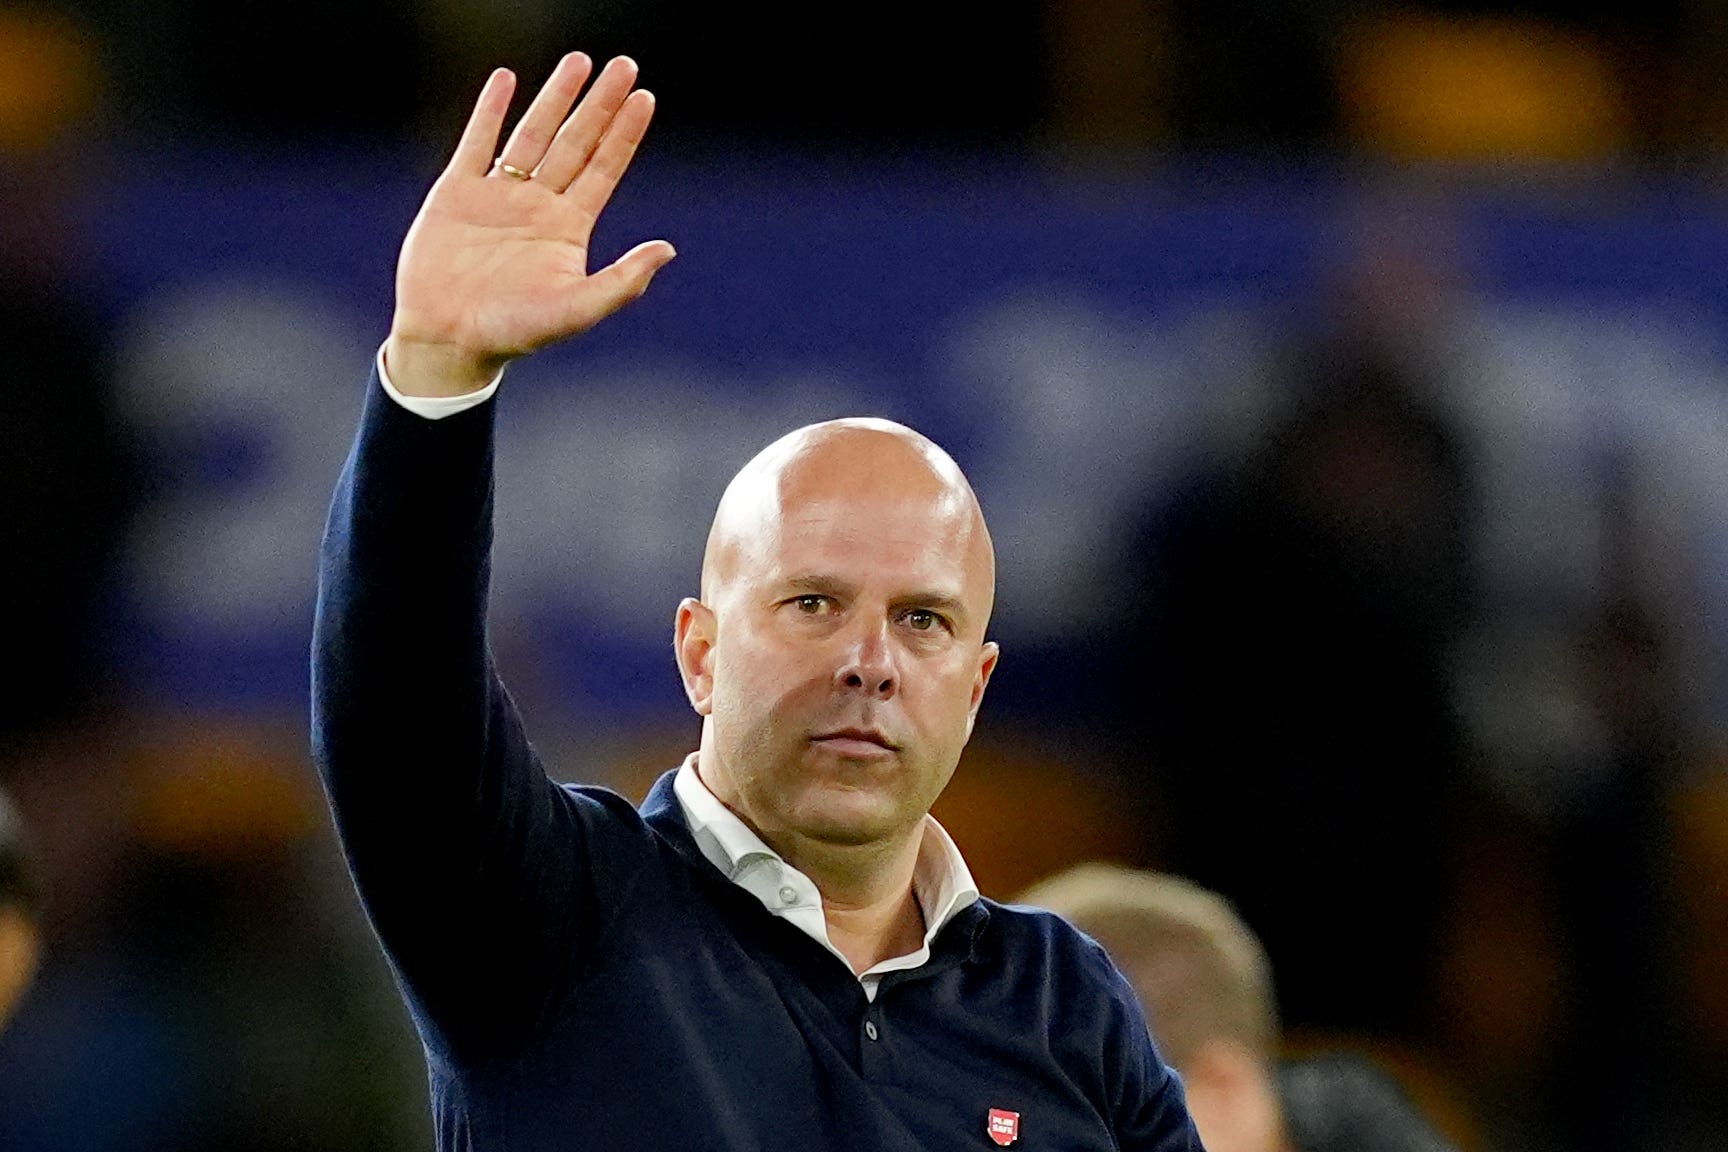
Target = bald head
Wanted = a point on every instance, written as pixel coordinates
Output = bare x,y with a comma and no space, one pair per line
832,473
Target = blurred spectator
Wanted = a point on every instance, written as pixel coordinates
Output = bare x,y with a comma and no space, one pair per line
1206,985
20,912
1611,861
1291,661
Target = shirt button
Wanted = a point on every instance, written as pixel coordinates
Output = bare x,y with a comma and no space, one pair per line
870,1029
788,895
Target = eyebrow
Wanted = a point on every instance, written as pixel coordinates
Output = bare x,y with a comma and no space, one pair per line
825,585
945,602
951,606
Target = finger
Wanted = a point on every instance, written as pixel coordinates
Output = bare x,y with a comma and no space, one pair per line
600,176
534,132
583,131
473,155
620,282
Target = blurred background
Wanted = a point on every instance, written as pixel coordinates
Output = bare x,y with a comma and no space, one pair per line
1346,385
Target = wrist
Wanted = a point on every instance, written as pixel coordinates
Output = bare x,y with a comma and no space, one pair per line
431,369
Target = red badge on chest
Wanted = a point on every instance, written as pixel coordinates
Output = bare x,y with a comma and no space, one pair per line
1003,1126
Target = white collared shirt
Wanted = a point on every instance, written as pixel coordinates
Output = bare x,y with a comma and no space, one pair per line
941,882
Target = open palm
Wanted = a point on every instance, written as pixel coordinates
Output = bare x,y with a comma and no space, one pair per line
496,263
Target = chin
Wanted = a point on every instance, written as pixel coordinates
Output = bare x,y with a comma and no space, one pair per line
846,817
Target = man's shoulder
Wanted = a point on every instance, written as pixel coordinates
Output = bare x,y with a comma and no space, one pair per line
656,821
656,828
606,798
1029,924
1037,943
1064,981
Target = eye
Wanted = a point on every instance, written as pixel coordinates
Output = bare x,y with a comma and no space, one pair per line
810,604
922,619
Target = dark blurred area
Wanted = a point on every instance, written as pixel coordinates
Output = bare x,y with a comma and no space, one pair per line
1582,81
1347,385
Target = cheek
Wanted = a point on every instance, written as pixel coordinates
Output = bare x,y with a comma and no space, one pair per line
950,693
754,683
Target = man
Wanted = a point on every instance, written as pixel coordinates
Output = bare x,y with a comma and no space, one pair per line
20,907
1206,985
782,950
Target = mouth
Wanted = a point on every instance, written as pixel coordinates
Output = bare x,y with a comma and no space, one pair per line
861,743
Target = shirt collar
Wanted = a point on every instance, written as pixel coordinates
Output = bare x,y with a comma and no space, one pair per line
941,881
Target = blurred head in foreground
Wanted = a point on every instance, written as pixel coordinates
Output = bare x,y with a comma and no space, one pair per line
1205,984
20,904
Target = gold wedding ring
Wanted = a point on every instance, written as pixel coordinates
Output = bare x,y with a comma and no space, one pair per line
511,170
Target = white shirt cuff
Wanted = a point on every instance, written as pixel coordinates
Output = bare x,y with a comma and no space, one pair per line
436,407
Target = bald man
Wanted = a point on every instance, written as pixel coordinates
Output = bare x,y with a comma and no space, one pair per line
781,949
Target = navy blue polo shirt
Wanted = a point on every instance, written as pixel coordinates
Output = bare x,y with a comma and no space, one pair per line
581,975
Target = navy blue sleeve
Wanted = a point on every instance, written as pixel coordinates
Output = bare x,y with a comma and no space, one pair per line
1152,1113
488,884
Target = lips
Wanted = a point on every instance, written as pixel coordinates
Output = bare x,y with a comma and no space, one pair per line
867,741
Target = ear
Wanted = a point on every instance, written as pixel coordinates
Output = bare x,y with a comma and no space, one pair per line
693,638
1232,1097
988,654
1225,1063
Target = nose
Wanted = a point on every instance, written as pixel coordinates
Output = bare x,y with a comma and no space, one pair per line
868,665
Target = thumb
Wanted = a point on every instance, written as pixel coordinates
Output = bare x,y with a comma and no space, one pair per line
623,280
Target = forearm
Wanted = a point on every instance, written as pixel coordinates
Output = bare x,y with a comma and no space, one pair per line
399,651
473,866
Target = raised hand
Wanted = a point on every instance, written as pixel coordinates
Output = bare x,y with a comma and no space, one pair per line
496,263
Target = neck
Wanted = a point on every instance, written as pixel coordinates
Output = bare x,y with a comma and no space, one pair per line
870,905
868,901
